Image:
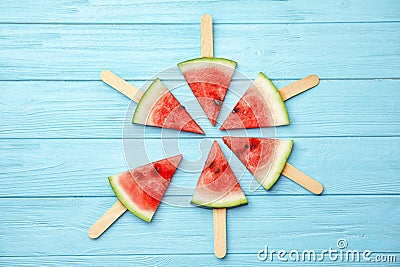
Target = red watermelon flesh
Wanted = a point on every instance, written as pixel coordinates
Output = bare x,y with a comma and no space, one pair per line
249,112
142,189
209,80
265,158
158,107
260,106
218,186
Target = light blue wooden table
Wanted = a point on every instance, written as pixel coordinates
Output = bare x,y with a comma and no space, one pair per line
61,128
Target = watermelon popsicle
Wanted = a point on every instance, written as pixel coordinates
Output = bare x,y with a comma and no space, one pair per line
156,107
262,105
218,189
266,159
139,190
209,80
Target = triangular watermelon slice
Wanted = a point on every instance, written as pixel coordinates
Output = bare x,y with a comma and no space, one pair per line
217,186
209,79
158,107
260,106
141,189
265,158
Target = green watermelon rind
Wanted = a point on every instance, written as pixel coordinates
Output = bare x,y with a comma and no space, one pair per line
227,203
274,99
192,62
282,153
149,98
124,198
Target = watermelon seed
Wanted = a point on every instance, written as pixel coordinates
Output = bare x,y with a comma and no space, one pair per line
246,146
156,169
217,102
235,110
217,170
211,164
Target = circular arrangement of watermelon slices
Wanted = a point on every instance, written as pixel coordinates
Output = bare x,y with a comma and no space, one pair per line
261,105
141,189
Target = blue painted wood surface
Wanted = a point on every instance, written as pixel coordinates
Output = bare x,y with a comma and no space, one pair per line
61,128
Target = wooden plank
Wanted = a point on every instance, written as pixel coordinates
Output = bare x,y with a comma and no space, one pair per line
80,52
94,110
78,167
57,226
140,11
174,260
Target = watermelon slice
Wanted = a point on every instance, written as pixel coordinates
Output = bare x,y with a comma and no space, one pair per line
158,107
260,106
217,186
265,158
141,189
209,79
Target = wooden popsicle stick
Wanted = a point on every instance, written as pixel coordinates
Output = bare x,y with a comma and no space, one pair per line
206,28
298,87
121,85
302,179
108,218
219,217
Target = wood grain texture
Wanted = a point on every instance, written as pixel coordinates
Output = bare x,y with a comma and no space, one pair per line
68,110
58,226
183,11
245,259
81,52
78,167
